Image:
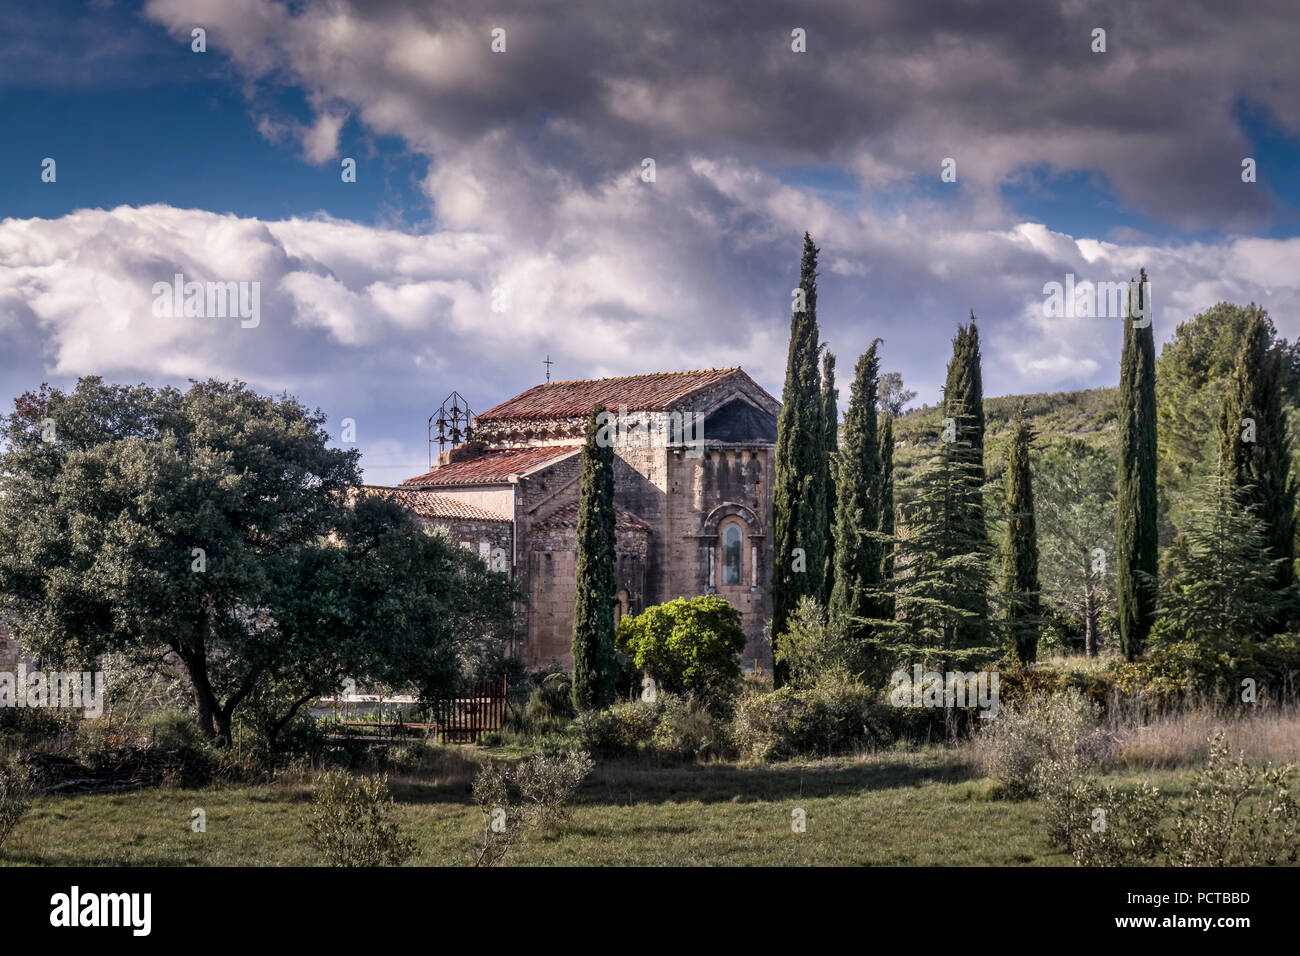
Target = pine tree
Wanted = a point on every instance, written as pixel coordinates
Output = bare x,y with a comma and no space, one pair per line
799,492
831,417
859,555
1255,447
964,408
1136,516
594,668
1222,595
1020,588
1074,493
942,561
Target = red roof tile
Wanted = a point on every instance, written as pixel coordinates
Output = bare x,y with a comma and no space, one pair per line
566,516
428,504
657,391
491,467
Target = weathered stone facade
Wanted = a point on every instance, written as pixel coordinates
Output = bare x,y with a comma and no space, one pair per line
694,511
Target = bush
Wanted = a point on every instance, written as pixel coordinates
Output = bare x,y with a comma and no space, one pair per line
689,646
547,784
349,822
686,731
1239,815
173,729
550,707
836,716
1126,835
1059,730
810,649
622,728
15,796
22,727
534,794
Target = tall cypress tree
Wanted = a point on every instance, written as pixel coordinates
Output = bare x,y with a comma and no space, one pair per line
1255,448
831,417
1136,545
799,492
594,668
886,525
963,395
858,552
1020,545
964,406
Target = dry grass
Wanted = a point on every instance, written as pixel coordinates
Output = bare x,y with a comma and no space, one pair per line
1178,739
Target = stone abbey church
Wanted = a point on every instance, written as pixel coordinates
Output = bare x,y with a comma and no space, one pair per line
693,505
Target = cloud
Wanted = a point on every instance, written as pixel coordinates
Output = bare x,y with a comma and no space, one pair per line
641,291
885,90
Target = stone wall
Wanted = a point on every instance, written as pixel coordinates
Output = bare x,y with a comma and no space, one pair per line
490,540
552,561
726,484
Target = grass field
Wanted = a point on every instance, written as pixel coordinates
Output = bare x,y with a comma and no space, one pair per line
924,808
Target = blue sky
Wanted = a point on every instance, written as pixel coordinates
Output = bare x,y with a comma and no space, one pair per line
480,172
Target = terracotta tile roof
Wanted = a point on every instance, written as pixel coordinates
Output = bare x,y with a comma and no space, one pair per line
657,391
491,467
566,516
428,504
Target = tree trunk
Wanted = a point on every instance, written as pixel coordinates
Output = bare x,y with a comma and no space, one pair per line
205,700
1089,625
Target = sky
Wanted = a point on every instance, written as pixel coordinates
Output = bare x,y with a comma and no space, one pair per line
500,213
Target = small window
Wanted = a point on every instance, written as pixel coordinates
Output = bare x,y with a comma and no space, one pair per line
731,554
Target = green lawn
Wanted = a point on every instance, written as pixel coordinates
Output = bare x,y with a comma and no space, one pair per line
918,809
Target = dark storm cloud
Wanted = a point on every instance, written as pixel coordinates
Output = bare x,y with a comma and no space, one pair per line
886,89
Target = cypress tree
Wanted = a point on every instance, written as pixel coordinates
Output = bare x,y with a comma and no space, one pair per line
1020,545
964,407
963,394
858,552
594,666
1255,448
886,504
799,492
831,416
1135,504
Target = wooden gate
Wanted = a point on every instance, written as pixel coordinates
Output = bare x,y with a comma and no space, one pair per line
461,720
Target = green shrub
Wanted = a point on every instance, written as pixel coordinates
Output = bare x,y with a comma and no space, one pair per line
550,707
834,717
686,731
810,649
547,784
1239,815
1127,833
172,730
350,822
15,796
533,794
22,727
1067,793
622,728
689,647
1060,729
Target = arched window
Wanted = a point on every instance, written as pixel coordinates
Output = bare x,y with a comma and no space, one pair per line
732,554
